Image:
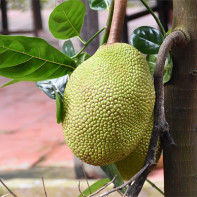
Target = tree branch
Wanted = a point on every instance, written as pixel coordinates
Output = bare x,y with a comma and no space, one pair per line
117,21
161,127
45,192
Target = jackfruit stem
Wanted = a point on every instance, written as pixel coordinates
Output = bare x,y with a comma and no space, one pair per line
115,34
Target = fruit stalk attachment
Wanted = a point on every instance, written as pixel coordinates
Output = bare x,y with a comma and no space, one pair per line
117,21
161,127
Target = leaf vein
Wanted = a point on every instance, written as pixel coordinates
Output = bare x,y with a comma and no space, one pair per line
4,51
60,64
149,41
35,69
69,21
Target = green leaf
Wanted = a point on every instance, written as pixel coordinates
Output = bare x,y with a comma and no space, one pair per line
59,107
32,59
67,18
147,39
151,60
68,48
111,171
95,187
59,104
81,58
99,4
13,81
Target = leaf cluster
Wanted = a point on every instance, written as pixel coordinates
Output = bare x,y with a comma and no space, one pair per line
148,41
33,59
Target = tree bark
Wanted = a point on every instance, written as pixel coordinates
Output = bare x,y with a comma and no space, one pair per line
90,27
180,162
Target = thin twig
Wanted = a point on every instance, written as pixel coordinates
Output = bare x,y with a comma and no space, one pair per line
155,17
120,192
102,188
161,127
126,191
80,190
85,177
153,185
127,183
45,192
9,190
88,42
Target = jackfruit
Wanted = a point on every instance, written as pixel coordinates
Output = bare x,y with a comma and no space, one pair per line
108,102
130,165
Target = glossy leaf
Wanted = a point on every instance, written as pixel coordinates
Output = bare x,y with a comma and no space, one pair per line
95,187
32,59
48,86
146,39
151,59
13,81
59,107
81,58
67,18
68,48
98,4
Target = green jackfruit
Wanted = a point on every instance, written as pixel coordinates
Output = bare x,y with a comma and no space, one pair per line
108,102
130,165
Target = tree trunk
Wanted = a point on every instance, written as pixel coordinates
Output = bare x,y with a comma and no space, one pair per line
180,162
90,27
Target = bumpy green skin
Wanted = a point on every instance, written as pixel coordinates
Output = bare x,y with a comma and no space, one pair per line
108,102
130,165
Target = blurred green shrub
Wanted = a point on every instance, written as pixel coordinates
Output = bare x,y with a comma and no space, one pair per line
24,4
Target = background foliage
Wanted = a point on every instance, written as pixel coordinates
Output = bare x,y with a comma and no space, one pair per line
25,4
